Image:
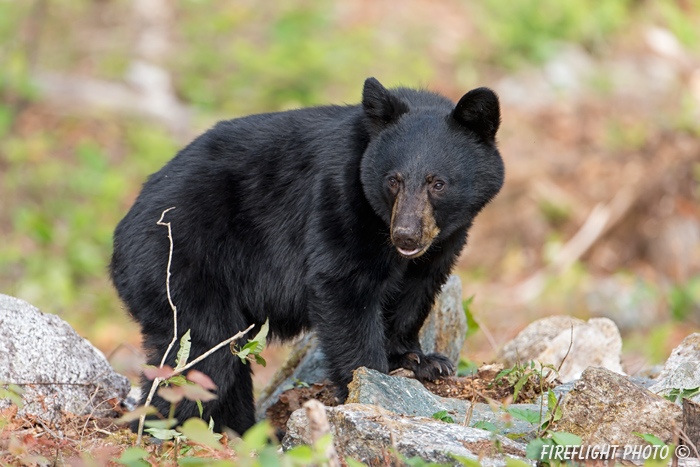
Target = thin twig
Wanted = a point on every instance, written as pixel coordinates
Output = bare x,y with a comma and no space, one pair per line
468,418
167,284
571,343
214,349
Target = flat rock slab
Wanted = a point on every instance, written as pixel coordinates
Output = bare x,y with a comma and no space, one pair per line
406,396
605,408
58,369
682,369
366,433
443,331
594,343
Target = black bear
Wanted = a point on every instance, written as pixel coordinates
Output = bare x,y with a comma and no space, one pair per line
342,219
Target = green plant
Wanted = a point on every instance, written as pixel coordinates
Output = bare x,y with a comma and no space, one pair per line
443,417
686,393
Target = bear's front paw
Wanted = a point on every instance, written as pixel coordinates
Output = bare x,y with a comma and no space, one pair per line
429,367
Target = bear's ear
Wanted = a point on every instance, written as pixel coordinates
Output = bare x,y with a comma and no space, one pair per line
381,107
479,111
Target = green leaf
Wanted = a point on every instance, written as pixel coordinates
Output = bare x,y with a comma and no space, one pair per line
177,380
260,338
440,414
485,425
472,325
510,462
268,457
302,454
649,438
519,385
160,433
566,439
197,430
465,461
184,353
133,457
161,424
503,373
551,399
534,448
527,415
256,437
260,361
201,409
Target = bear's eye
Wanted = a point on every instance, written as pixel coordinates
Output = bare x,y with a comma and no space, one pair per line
439,185
393,183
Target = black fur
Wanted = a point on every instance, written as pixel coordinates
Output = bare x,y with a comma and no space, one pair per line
288,216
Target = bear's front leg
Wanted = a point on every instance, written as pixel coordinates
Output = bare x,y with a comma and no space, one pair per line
351,335
405,315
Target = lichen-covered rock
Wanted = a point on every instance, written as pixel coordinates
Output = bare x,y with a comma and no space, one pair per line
405,396
442,332
596,343
366,433
606,408
58,369
682,369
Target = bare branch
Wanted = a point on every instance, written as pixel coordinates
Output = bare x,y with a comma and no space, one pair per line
167,284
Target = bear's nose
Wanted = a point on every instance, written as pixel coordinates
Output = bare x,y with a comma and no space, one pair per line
406,238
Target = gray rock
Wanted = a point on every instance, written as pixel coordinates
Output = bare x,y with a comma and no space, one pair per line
406,396
58,369
442,332
547,340
682,369
366,433
446,326
605,408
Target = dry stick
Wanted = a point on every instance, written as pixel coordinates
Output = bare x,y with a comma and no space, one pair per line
318,425
157,381
167,284
468,418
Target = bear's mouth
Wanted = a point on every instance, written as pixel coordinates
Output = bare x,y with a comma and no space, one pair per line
412,253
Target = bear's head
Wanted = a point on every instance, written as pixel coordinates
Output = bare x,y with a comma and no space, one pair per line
430,166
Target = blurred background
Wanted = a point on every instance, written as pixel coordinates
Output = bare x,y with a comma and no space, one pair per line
599,216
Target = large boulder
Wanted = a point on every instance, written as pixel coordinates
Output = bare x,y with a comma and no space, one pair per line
444,332
606,408
594,343
58,369
367,433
